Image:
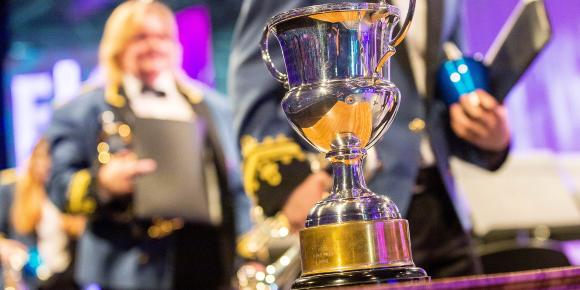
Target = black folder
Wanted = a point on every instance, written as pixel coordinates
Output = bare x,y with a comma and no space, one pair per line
519,42
177,188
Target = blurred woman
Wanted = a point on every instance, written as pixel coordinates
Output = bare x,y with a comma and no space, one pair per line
34,248
97,172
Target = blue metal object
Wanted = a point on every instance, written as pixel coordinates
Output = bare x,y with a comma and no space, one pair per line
459,77
33,264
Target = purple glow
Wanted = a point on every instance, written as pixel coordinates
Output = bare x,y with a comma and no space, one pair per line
572,251
381,242
543,107
93,287
194,25
80,10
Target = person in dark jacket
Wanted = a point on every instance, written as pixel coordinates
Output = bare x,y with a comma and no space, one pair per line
410,163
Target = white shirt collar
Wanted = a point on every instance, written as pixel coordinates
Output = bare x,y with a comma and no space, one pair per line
146,105
133,86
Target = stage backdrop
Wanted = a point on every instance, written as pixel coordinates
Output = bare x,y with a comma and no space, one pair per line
542,107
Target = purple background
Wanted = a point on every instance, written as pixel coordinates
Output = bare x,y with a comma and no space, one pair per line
195,36
544,107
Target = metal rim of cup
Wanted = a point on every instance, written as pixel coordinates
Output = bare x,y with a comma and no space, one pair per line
332,7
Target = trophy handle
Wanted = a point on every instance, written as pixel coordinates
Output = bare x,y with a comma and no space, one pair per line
405,28
399,38
281,77
390,51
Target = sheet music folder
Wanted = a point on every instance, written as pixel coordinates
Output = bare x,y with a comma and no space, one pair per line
177,187
520,40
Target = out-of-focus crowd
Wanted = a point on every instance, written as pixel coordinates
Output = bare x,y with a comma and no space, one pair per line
67,218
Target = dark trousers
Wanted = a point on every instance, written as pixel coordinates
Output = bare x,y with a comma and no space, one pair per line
439,243
202,259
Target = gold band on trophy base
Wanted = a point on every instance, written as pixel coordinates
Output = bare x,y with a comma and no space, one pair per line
355,245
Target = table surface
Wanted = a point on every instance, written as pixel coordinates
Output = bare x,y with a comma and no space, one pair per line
555,278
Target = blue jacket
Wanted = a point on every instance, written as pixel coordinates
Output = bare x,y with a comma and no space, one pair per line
115,252
259,118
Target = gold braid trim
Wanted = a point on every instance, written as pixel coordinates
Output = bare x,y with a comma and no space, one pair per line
193,95
113,97
78,191
260,160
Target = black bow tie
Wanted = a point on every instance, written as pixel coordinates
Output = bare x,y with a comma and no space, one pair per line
148,89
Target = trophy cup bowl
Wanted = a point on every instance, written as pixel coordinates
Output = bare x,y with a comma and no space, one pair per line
341,101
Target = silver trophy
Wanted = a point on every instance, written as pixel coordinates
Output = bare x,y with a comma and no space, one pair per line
341,101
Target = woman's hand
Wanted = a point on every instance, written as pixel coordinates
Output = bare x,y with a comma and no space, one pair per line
117,177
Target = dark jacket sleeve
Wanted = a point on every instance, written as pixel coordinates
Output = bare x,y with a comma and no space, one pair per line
462,149
259,122
72,136
490,160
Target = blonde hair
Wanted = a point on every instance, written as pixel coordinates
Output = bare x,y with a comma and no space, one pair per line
30,193
121,27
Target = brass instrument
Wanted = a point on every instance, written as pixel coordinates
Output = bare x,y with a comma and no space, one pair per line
278,275
254,244
270,244
260,244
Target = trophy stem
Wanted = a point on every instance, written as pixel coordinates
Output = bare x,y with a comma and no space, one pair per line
349,181
354,236
350,198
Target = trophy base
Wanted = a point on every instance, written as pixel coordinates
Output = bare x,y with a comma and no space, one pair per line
360,277
355,245
357,252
